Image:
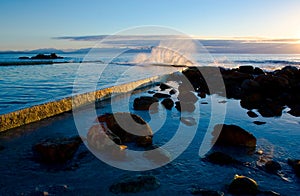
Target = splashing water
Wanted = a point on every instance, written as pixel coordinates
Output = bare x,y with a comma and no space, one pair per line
163,56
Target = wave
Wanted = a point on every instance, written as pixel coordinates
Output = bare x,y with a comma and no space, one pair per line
285,62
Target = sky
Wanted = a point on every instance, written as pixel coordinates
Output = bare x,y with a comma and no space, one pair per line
34,24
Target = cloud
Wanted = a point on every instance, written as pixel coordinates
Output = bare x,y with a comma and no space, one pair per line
217,45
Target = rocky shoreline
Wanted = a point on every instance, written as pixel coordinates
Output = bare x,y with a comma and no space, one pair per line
261,93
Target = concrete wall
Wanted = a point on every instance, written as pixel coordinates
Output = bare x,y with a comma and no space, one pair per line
42,111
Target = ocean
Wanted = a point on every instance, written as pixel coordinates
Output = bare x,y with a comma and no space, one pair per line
24,83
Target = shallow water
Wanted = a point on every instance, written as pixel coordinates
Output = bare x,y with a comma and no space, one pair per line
279,138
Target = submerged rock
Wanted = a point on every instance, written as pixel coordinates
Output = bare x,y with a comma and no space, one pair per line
296,166
135,184
252,114
145,103
187,97
128,127
189,121
272,166
168,103
220,158
243,185
259,122
232,135
56,150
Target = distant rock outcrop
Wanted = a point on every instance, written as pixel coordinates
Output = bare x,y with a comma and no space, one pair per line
43,57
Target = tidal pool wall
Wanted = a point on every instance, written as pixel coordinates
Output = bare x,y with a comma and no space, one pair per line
49,109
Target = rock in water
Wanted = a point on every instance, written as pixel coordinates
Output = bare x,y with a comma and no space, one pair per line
139,183
128,127
296,166
164,86
232,135
243,185
168,103
161,95
252,114
56,150
272,166
145,103
220,158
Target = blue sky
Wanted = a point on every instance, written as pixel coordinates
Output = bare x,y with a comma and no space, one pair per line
33,24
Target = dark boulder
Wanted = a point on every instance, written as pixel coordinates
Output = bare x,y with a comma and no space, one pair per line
161,95
272,166
164,86
2,147
128,127
246,69
243,185
135,184
145,103
151,92
232,135
296,166
252,114
168,103
295,110
250,86
258,71
56,150
172,92
272,86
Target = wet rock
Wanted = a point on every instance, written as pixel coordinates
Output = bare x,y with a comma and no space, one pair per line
56,150
272,85
189,121
135,184
295,110
252,101
184,107
220,158
202,95
151,92
161,95
128,127
187,97
259,122
204,102
246,69
205,192
164,86
258,71
172,92
145,103
272,166
296,165
250,86
270,109
252,114
243,185
232,135
168,103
